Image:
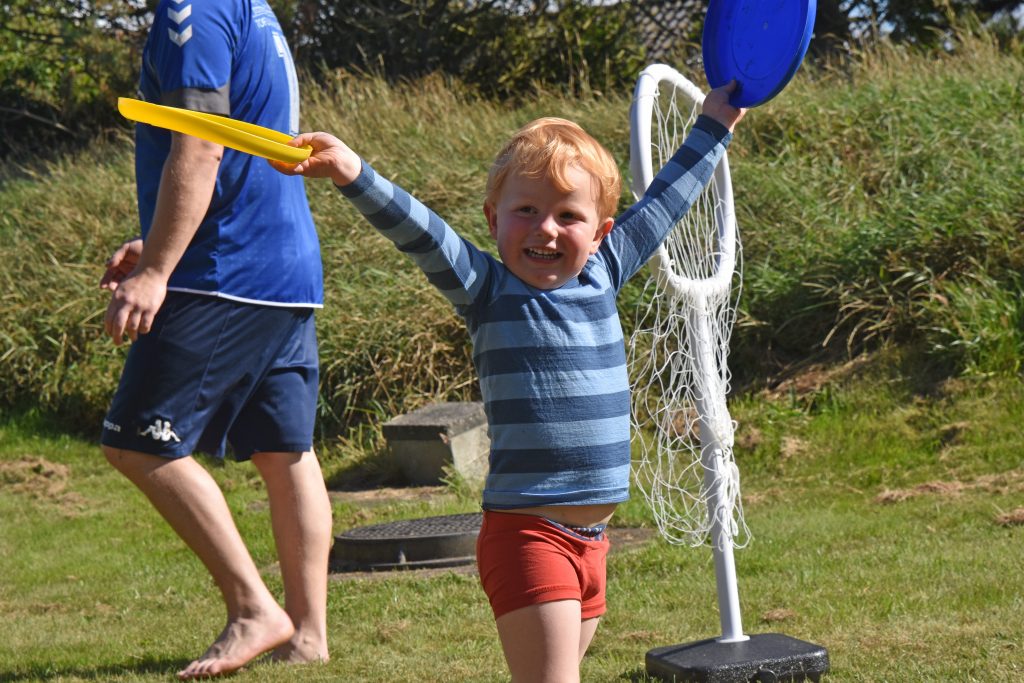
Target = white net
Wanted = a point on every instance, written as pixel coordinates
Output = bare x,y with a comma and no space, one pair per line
678,352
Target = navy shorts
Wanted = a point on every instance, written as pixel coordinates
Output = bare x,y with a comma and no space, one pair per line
213,371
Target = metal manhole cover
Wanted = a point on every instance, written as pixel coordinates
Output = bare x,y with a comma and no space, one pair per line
445,541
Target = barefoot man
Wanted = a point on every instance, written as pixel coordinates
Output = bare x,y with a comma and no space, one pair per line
217,298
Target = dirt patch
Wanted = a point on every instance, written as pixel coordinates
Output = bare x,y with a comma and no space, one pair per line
42,480
748,438
362,501
1015,518
627,538
950,434
803,379
36,477
943,489
640,636
765,495
1007,482
773,616
792,447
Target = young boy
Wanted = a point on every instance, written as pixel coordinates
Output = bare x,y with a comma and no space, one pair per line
549,352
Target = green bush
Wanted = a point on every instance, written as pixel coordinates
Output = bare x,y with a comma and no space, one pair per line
62,67
501,48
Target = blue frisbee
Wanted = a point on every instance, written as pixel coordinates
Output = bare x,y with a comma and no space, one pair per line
760,43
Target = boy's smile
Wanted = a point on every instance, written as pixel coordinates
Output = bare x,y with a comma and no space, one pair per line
544,235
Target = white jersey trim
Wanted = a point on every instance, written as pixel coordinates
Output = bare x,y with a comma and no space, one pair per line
241,299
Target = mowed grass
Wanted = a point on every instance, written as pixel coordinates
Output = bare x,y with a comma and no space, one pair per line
886,522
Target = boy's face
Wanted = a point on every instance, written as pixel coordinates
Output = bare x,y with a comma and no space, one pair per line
546,236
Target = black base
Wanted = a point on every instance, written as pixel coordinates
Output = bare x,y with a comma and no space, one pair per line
765,658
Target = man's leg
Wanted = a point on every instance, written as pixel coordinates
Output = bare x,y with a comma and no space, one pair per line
542,642
192,503
300,512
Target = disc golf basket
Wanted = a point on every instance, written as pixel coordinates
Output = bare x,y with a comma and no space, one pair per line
678,361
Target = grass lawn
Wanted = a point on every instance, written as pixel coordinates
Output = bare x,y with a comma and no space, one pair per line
886,522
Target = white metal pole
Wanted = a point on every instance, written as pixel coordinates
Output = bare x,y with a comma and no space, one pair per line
712,411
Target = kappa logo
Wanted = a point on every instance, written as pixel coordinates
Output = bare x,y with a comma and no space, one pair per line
160,430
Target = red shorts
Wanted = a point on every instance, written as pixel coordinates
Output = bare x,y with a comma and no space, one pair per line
527,560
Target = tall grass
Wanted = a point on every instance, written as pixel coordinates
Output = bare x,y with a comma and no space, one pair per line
879,201
57,227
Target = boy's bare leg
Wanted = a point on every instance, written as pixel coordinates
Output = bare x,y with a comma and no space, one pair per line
542,643
300,511
588,627
192,503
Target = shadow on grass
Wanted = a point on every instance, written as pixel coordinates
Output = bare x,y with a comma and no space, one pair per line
52,424
369,472
49,672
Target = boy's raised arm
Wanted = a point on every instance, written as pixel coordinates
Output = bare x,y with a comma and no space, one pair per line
642,227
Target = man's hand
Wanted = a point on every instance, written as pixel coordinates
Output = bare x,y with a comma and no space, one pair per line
134,305
187,183
121,263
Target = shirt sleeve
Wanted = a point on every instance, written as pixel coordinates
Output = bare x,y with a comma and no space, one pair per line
639,231
191,53
452,264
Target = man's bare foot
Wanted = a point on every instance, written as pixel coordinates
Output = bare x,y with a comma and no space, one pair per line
241,641
301,649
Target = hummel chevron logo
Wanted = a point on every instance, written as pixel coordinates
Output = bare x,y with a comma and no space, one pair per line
180,39
178,17
160,430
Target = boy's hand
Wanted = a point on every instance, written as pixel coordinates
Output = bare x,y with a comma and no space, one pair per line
716,105
330,158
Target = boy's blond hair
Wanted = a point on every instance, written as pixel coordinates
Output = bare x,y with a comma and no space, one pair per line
548,147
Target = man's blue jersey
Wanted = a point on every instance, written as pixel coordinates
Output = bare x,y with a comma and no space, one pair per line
257,242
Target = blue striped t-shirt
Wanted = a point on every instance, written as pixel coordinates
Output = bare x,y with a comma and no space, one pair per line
551,363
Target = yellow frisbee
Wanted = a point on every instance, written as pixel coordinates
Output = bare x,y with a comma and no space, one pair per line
245,137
